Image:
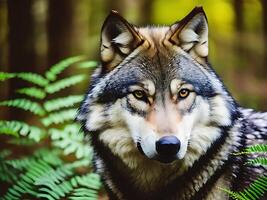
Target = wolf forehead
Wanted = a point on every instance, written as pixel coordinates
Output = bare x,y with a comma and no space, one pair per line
159,71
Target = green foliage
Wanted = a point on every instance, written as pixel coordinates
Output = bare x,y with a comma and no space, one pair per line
63,169
255,190
259,148
4,76
45,175
64,83
257,161
26,105
20,128
60,117
258,188
58,68
56,104
88,64
70,140
32,92
33,78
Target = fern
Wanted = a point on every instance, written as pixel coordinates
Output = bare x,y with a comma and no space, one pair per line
33,78
32,92
59,117
56,104
4,76
20,128
35,169
61,66
44,175
70,140
233,195
64,83
88,64
255,190
259,148
54,190
26,105
257,161
62,171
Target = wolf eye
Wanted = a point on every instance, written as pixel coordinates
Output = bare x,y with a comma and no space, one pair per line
183,93
139,94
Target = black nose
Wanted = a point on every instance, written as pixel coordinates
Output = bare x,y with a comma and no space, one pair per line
168,146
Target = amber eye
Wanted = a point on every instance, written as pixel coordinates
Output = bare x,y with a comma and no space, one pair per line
139,94
183,93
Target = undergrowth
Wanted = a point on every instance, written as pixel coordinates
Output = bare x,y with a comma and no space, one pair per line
57,163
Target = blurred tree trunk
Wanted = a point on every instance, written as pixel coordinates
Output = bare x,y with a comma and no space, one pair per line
264,14
146,12
3,54
20,38
239,15
21,55
240,29
60,29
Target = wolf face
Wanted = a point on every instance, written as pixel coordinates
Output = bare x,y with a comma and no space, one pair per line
155,93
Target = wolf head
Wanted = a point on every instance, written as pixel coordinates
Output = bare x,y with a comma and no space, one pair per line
155,93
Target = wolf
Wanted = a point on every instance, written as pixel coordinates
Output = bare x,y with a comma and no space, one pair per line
161,122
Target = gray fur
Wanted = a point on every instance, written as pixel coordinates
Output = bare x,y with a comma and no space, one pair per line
111,115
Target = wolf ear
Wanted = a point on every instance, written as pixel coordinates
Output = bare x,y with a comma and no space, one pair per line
191,33
118,39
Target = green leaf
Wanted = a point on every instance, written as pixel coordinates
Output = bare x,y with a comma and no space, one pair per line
26,105
71,141
64,102
61,66
258,160
59,117
23,129
255,190
33,78
258,148
32,92
64,83
4,76
88,64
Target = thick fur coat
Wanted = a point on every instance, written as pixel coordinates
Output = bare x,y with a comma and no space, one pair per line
162,124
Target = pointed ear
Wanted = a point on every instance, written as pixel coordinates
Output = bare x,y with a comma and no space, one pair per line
191,33
118,39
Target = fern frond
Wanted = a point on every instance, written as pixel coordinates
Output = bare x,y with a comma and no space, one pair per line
71,141
88,64
6,175
59,117
25,104
64,83
32,92
258,148
21,128
25,183
53,190
4,76
89,186
64,102
61,66
255,190
233,195
33,78
257,161
30,168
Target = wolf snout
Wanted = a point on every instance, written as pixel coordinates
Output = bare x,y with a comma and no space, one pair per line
168,146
